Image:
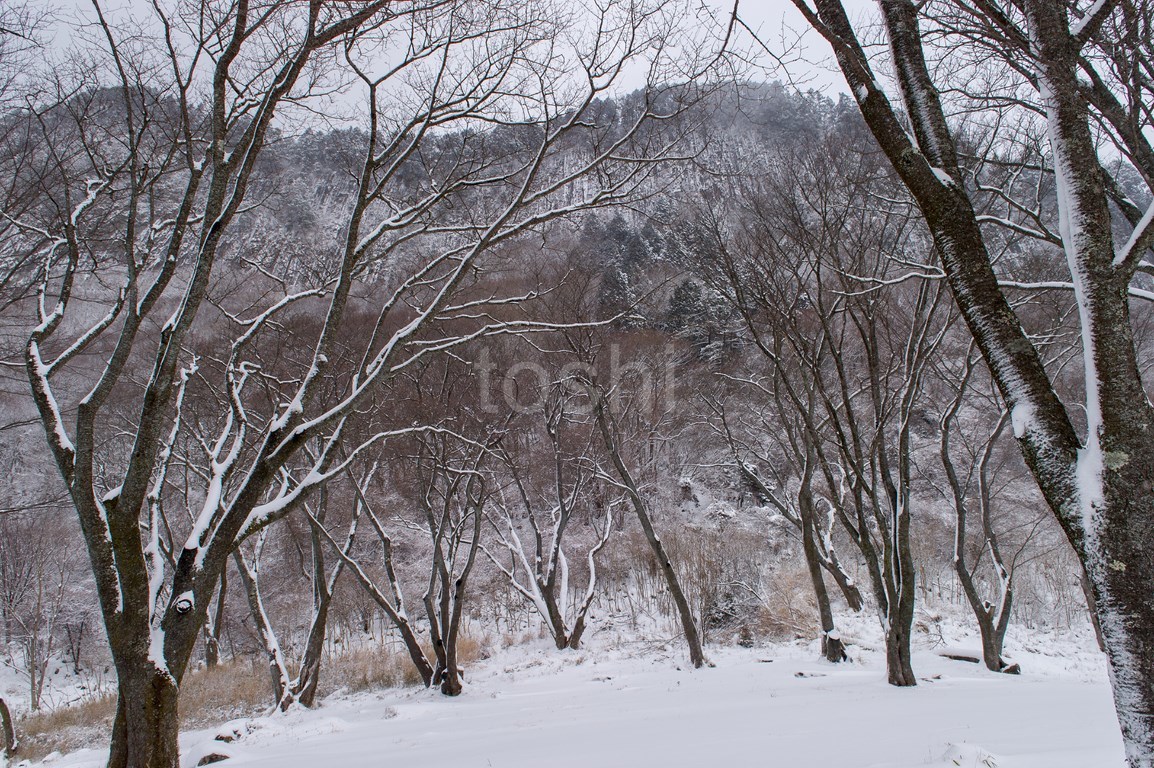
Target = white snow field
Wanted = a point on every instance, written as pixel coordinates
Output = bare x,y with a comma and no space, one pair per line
776,706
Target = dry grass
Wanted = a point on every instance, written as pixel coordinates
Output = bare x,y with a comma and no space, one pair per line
365,669
231,690
207,697
790,608
372,668
86,724
211,696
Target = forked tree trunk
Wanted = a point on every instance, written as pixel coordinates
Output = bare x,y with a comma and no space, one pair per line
546,585
553,613
900,613
445,625
994,639
993,618
575,636
324,585
891,573
832,646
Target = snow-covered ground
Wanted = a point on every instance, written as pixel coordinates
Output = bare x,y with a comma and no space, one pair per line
62,687
632,706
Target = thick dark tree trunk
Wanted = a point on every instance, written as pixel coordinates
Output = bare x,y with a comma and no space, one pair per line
899,667
451,673
308,680
901,591
11,744
557,627
900,618
992,621
1122,584
147,724
575,636
993,639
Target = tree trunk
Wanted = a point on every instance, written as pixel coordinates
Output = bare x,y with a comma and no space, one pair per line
213,630
282,696
416,652
147,723
899,667
308,680
9,731
900,613
556,621
849,590
994,638
1121,585
900,590
991,646
831,645
608,435
574,641
992,622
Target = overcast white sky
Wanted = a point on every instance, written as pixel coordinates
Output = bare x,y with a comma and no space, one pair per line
779,24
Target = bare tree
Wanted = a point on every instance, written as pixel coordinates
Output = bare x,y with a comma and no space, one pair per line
800,508
624,478
1078,65
388,596
464,127
452,497
288,690
967,490
814,267
545,582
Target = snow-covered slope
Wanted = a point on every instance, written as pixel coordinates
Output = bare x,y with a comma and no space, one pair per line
758,707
